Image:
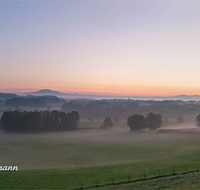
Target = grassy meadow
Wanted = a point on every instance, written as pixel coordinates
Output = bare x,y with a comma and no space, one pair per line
65,160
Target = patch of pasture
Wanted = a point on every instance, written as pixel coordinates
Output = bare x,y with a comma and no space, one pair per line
67,159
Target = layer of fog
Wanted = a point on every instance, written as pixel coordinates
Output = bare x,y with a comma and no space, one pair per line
120,133
90,147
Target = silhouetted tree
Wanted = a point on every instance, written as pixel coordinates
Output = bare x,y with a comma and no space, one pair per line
107,123
180,119
136,122
16,121
56,121
33,121
48,123
153,121
73,120
198,121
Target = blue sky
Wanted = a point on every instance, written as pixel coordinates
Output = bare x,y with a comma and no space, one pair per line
103,47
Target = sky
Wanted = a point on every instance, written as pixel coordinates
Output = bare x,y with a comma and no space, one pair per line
147,48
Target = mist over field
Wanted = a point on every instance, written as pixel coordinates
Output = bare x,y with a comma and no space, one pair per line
92,147
90,152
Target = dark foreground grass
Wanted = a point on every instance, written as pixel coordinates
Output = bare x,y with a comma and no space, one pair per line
62,179
87,177
184,181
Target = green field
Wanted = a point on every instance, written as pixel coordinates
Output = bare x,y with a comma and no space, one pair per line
65,160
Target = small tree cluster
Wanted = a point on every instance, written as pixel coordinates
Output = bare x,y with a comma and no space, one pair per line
153,121
16,121
107,123
136,122
139,122
198,121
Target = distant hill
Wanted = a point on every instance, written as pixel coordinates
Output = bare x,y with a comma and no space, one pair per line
94,96
179,97
49,92
45,92
188,96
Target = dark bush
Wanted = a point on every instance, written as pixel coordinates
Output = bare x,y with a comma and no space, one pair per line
136,122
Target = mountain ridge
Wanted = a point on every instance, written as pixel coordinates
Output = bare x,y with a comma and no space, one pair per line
77,95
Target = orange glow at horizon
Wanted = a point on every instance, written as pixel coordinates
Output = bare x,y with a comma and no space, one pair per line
108,90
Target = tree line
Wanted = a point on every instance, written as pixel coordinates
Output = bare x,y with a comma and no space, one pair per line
138,122
34,101
33,121
122,109
117,109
